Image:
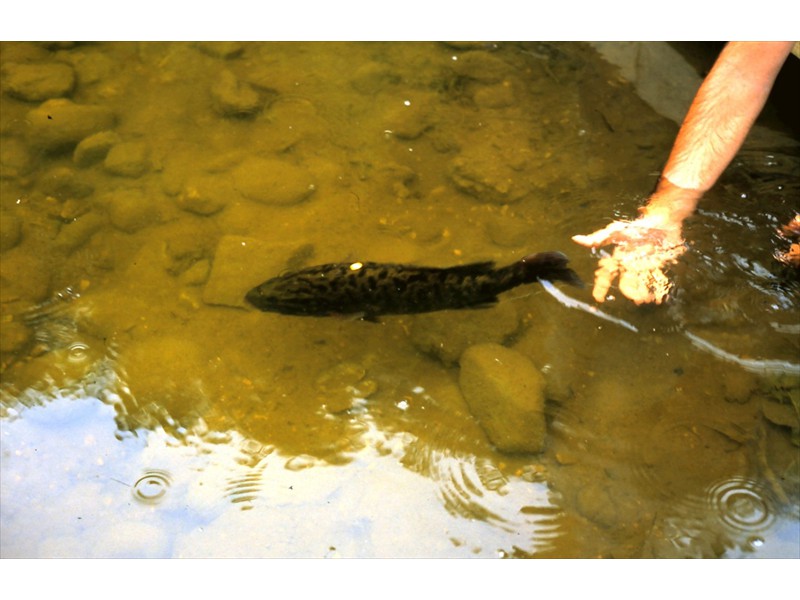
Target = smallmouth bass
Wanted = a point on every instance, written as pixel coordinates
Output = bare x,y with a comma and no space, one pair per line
375,289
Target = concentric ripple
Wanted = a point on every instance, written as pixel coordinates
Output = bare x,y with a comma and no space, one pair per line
742,504
151,487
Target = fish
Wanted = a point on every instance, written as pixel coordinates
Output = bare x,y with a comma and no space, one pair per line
371,290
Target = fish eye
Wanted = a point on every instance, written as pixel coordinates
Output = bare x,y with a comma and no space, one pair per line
356,266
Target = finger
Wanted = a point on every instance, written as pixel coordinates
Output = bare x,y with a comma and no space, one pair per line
604,276
608,235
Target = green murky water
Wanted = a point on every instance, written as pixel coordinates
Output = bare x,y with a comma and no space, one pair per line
146,412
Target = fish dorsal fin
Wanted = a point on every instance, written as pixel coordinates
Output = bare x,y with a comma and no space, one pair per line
477,268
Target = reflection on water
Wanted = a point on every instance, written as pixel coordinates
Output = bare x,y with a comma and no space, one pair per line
145,412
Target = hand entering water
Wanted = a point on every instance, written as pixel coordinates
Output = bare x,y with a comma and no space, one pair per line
645,247
724,109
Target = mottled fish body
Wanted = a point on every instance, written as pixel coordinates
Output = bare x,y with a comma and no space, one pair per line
375,289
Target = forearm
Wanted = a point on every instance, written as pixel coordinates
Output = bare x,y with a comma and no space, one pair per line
724,110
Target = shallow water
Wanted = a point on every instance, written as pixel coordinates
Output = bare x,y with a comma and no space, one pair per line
147,413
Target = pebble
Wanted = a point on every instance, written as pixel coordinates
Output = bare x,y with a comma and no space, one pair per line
197,274
205,195
272,181
128,159
94,148
784,415
738,385
235,98
60,123
34,82
130,210
75,234
185,245
410,119
505,393
339,385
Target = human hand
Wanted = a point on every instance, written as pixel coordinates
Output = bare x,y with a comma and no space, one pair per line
791,232
643,250
645,247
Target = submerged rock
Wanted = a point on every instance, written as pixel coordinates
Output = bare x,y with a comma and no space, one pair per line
241,263
410,119
130,210
487,178
78,231
272,181
59,123
205,195
446,334
94,148
595,503
34,82
235,98
64,183
505,392
129,159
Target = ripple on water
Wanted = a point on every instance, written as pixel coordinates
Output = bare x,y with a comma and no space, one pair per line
742,505
477,490
78,352
151,487
732,514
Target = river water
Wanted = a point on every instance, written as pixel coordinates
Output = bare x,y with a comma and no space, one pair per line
146,412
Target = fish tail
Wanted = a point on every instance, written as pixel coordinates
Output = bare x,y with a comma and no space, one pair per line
551,266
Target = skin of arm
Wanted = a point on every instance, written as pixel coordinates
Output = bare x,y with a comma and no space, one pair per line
717,123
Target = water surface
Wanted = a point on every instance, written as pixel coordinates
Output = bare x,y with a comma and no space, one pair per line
146,412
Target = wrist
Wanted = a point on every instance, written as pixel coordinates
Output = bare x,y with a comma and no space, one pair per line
671,203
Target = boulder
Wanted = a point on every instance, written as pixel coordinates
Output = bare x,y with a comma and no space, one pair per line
505,392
